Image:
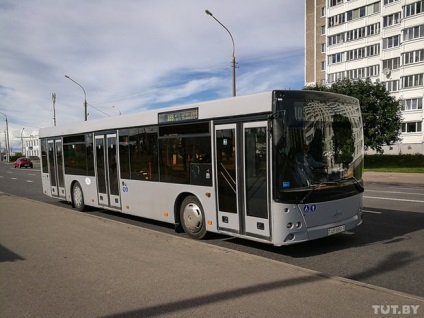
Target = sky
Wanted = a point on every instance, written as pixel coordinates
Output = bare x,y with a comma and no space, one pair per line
133,55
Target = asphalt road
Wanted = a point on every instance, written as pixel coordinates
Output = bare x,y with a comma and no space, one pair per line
386,250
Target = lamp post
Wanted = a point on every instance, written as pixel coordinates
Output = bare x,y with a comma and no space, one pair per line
22,141
54,108
85,96
233,60
7,139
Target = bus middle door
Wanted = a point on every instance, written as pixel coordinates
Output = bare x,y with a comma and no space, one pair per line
107,171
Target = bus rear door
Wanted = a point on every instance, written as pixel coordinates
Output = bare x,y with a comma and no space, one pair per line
56,174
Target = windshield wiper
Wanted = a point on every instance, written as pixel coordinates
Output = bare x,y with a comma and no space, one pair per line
356,182
315,187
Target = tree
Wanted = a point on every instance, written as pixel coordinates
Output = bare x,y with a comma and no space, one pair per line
380,112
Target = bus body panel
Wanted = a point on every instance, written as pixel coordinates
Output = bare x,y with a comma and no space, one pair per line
317,214
45,182
156,201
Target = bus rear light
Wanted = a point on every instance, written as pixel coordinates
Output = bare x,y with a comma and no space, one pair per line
208,194
209,222
165,213
298,225
289,225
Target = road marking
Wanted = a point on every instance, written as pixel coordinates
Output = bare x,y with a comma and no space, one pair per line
14,178
397,192
29,181
374,212
404,200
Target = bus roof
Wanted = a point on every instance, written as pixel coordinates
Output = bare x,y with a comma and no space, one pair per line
233,106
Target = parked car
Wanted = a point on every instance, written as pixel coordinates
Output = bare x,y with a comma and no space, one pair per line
23,162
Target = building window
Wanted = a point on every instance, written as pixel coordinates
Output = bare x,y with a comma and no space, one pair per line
412,127
412,80
323,48
323,66
391,86
391,19
323,11
322,29
390,1
412,104
336,58
390,42
413,33
413,57
413,8
391,64
333,3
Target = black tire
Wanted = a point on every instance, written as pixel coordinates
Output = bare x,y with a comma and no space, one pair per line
78,197
192,218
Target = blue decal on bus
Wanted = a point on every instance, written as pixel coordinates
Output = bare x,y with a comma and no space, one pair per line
286,184
313,207
306,208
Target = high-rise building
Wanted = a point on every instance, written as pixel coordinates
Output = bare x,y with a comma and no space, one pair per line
381,40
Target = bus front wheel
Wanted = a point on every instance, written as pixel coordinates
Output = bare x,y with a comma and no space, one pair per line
78,197
193,218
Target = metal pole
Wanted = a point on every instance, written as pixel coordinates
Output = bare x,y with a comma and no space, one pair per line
22,142
85,97
54,108
7,139
233,59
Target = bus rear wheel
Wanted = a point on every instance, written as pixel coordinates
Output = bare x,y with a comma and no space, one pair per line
78,197
193,218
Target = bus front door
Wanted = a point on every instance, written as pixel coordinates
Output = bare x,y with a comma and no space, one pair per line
242,178
56,174
107,171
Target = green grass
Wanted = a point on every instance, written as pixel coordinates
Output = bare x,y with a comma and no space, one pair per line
395,163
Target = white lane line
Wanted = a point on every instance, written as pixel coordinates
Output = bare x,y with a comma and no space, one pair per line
392,199
374,212
397,192
29,181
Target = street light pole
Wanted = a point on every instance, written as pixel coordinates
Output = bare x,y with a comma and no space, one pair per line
7,139
85,96
22,141
54,108
233,59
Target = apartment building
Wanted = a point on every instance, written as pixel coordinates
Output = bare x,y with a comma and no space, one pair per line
381,40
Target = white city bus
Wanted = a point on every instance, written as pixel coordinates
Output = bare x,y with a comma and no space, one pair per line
236,166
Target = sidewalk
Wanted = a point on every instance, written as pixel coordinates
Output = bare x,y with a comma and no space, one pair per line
394,178
59,262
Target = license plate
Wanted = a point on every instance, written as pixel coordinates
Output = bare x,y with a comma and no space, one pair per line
337,229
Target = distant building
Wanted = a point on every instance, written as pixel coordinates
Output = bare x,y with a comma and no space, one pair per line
32,147
382,40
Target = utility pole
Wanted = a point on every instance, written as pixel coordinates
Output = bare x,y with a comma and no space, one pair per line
54,109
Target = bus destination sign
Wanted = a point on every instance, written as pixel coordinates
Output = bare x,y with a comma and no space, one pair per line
178,115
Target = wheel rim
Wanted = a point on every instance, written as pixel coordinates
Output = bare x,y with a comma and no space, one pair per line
193,217
77,196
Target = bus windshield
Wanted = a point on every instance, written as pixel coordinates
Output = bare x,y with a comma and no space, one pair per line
318,143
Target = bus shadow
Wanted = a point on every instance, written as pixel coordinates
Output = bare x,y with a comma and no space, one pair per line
389,227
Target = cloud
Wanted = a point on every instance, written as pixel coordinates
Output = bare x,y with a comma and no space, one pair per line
136,55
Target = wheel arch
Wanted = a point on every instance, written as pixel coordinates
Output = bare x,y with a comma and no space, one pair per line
177,206
72,193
